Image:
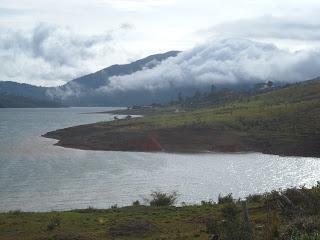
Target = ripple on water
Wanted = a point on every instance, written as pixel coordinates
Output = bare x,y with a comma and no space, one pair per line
35,175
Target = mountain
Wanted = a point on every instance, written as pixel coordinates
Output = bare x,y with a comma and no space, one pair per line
84,91
100,78
21,95
14,101
81,91
22,89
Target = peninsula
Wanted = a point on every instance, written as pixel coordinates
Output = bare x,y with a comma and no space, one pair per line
283,121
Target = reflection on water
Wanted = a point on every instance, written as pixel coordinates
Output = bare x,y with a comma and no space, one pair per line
35,175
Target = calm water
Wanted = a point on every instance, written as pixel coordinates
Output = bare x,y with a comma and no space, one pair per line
35,175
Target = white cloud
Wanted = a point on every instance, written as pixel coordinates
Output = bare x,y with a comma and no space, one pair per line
51,55
267,27
229,61
134,5
159,26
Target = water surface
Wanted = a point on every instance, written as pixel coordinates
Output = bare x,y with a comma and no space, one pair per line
35,175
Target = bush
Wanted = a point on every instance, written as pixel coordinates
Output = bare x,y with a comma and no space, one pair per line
208,203
212,227
225,199
230,211
302,228
136,203
53,223
163,199
231,227
254,198
15,212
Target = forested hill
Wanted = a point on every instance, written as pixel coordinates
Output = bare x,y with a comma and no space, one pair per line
13,101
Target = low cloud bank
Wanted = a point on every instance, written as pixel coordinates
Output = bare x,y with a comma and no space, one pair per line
229,61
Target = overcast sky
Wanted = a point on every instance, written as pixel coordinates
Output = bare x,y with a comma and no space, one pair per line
49,42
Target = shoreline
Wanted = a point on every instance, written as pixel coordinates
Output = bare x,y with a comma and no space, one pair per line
106,137
282,122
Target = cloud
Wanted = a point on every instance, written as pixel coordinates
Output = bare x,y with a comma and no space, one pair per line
126,26
268,27
135,5
51,55
229,61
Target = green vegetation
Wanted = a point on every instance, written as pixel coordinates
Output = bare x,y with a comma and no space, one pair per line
291,110
289,214
163,199
282,121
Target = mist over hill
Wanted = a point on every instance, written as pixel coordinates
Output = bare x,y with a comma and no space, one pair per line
228,63
160,78
86,90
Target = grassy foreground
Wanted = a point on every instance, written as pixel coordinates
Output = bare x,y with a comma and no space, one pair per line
289,214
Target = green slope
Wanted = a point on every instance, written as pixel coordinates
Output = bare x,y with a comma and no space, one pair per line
282,121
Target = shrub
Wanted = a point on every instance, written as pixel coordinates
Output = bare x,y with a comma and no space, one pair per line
254,198
208,203
225,199
136,203
163,199
302,228
53,223
230,227
212,226
230,211
15,212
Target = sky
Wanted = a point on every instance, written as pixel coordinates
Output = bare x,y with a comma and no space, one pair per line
47,42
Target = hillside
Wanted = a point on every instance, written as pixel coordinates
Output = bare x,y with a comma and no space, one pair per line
100,78
13,101
22,89
85,91
284,121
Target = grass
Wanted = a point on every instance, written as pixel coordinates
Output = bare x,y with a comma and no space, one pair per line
284,121
289,214
292,110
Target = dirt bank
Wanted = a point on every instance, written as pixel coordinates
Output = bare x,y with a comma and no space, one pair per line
181,139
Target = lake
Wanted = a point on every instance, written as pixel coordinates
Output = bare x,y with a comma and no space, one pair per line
35,175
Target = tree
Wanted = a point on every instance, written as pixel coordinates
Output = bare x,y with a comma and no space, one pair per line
270,84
